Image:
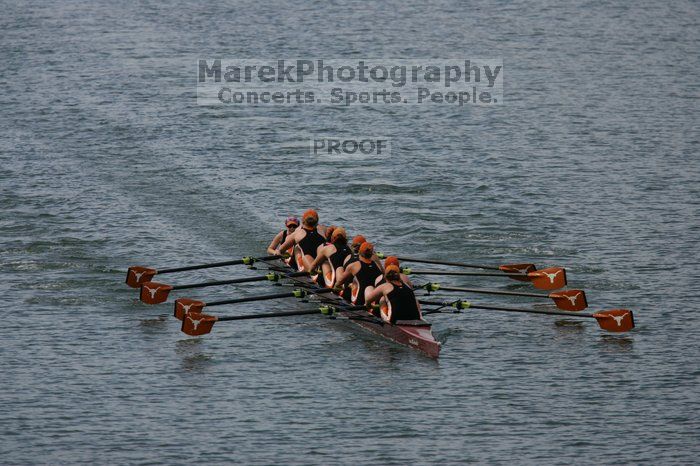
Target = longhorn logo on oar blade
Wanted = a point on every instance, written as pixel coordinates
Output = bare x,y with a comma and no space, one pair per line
184,306
518,269
615,320
195,324
137,275
570,300
154,293
551,278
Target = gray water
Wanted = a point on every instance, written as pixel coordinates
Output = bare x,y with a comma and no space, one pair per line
107,161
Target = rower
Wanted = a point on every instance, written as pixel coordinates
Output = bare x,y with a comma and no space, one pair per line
397,299
393,260
331,257
329,233
291,223
362,272
355,248
306,240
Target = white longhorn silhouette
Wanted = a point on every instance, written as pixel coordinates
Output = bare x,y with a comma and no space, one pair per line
573,298
186,307
153,291
552,276
618,319
195,323
138,275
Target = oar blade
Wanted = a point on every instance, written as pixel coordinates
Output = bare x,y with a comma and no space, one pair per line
183,306
137,275
551,278
522,269
570,300
154,292
615,320
196,323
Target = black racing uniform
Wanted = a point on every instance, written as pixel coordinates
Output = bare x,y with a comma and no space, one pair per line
342,251
365,277
313,239
403,303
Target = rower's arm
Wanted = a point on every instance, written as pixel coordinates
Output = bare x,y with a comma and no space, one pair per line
288,243
320,258
375,294
271,249
345,274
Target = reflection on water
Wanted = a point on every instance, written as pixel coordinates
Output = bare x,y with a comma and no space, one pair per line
613,342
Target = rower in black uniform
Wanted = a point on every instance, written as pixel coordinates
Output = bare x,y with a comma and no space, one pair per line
305,240
362,272
291,223
332,256
398,301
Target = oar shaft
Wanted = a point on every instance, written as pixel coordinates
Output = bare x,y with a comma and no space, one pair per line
214,264
467,274
455,264
251,299
235,280
219,282
512,309
274,314
290,294
496,292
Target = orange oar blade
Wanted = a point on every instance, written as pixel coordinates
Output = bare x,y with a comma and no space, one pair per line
522,269
154,292
196,323
136,275
570,300
615,320
551,278
184,306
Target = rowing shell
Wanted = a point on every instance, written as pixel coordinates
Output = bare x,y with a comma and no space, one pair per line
415,334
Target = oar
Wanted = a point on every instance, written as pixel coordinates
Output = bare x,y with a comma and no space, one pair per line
551,278
155,292
136,275
614,320
568,300
520,269
186,305
195,323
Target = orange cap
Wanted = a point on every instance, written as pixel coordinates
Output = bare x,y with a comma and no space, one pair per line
392,268
339,233
391,260
367,249
310,213
358,240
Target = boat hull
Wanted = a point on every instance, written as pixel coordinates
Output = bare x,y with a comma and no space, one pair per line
414,334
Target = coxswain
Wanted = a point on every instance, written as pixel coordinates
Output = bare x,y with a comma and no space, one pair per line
397,301
291,223
306,240
362,272
331,257
393,260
